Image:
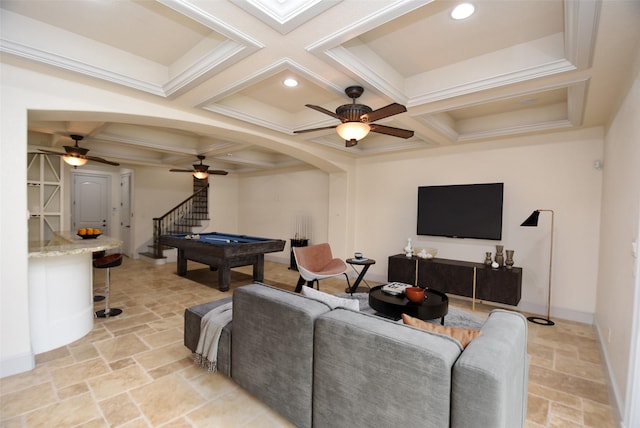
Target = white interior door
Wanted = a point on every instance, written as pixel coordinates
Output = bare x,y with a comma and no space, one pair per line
125,213
91,196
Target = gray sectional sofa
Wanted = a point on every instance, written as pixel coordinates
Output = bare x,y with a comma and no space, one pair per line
323,367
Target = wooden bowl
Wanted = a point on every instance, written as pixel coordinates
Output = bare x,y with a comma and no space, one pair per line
414,294
94,236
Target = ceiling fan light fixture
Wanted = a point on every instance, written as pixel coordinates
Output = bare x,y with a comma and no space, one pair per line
200,175
353,130
74,160
463,11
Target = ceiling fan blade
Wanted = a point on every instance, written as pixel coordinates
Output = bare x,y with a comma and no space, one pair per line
181,170
217,172
325,111
314,129
381,113
49,152
97,159
389,130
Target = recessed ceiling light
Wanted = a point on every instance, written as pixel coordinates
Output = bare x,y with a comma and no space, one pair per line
463,11
290,82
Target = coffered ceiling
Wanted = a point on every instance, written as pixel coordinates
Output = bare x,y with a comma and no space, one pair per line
513,68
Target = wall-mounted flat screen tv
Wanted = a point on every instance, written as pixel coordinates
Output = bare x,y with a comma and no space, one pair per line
461,211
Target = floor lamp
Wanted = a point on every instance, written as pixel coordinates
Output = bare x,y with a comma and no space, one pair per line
532,220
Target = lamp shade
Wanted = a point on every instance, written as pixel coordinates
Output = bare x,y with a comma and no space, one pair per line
532,220
200,175
74,160
353,130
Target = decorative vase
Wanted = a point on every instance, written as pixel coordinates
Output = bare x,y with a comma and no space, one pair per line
509,262
499,256
487,258
408,250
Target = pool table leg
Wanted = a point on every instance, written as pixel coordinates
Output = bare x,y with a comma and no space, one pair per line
224,277
181,263
258,268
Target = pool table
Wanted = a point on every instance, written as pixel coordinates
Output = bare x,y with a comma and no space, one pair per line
222,251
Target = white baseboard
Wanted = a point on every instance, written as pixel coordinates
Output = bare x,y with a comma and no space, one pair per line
277,259
561,313
614,391
17,364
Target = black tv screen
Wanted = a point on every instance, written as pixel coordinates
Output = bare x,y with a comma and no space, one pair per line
461,211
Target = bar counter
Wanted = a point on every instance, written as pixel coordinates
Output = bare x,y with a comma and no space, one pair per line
61,288
67,243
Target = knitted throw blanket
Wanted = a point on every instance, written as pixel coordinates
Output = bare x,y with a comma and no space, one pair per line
211,326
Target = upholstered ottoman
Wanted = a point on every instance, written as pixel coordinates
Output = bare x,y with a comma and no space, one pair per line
192,318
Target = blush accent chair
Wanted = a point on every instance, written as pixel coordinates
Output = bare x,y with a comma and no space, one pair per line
315,262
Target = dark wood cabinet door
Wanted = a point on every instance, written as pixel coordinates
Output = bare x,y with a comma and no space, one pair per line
402,269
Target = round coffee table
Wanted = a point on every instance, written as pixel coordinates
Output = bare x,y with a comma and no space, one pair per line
435,304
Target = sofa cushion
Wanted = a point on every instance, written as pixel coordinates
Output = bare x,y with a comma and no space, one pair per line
490,377
331,300
272,346
462,335
373,372
193,317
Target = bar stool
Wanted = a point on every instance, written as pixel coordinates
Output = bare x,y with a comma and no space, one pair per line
107,262
97,255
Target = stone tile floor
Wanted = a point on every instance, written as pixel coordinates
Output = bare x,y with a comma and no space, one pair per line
133,370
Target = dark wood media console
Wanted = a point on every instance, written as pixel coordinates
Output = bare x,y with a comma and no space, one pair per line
457,277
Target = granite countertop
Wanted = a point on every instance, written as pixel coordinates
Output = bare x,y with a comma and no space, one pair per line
67,243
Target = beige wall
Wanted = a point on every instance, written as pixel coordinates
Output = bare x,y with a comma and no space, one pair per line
543,172
617,286
269,206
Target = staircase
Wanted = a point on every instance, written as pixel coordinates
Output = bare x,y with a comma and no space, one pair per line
183,218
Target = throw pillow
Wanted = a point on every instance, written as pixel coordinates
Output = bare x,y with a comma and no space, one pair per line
331,300
462,335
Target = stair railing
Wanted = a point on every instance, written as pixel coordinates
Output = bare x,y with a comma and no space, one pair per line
181,218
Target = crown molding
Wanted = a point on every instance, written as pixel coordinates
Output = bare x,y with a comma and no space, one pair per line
245,117
516,130
581,28
531,73
285,16
576,102
193,12
59,61
237,47
229,53
330,46
272,69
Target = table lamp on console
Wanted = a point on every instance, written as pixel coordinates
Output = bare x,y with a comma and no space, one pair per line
532,220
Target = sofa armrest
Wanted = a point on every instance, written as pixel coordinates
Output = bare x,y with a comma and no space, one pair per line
490,378
192,321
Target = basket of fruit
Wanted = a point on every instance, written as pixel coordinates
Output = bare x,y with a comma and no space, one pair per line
89,233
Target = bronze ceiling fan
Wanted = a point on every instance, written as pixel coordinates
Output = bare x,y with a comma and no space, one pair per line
77,156
356,119
200,170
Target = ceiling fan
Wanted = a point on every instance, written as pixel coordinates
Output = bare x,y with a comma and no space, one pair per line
77,156
200,170
357,119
